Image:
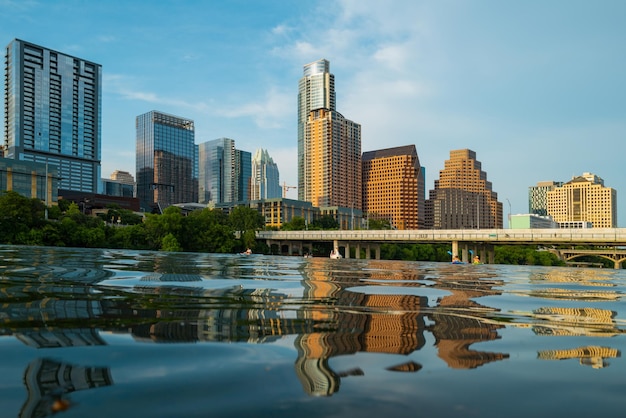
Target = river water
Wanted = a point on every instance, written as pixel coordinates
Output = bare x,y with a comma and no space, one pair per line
114,333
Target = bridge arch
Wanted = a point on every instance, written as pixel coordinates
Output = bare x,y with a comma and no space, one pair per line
615,259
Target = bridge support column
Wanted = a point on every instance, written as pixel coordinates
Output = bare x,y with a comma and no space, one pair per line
357,251
347,250
368,254
377,249
465,253
455,248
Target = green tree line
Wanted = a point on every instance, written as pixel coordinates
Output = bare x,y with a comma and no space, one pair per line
24,221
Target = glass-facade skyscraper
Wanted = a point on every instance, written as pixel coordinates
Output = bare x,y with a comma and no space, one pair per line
265,177
165,161
329,145
53,113
243,172
216,163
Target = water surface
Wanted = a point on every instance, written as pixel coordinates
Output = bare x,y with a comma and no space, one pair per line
111,333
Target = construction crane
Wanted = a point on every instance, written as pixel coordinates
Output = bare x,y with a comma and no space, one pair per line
286,189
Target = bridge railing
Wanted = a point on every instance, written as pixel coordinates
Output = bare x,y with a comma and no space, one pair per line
615,236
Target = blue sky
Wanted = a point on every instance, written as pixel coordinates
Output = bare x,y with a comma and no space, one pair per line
535,87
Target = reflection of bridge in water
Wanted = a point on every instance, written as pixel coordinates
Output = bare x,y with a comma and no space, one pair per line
616,255
463,241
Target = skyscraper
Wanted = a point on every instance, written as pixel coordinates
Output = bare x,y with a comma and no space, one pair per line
53,113
217,176
265,182
584,199
165,160
393,186
329,145
538,196
462,197
243,173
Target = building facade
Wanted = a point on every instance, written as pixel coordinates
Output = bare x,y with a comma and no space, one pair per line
165,160
532,221
329,145
393,187
334,173
53,113
29,179
462,197
120,183
264,183
584,199
316,90
243,173
538,196
216,168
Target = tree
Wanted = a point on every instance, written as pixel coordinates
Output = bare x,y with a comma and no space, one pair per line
378,224
158,226
325,222
297,223
207,230
18,214
170,243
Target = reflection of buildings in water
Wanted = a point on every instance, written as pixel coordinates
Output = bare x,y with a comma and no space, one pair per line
59,337
459,321
575,321
316,376
574,295
48,382
586,277
347,322
409,366
593,356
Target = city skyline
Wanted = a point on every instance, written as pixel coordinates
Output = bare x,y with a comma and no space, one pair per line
535,89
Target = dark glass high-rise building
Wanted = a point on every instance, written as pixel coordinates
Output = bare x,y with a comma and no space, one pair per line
52,115
165,161
243,173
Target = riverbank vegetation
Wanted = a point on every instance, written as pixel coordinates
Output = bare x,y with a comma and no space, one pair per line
25,221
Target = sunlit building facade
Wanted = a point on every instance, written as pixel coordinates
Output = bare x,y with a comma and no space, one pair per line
463,197
165,160
393,186
265,177
584,199
316,90
329,145
52,107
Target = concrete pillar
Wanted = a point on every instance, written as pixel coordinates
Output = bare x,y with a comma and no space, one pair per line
347,251
368,255
357,252
455,248
377,252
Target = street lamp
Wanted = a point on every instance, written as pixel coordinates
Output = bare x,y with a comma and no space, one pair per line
507,199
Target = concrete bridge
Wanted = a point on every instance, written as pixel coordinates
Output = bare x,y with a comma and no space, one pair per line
609,242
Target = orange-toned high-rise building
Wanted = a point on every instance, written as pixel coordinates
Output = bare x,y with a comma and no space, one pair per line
462,197
393,186
329,145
